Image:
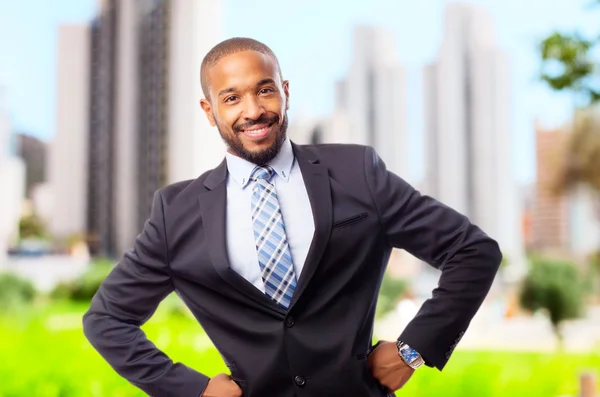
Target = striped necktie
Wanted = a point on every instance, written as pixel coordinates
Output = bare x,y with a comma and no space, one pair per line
274,255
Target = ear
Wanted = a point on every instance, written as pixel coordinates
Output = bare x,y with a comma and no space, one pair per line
286,90
206,106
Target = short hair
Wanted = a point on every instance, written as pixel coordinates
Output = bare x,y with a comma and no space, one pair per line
228,47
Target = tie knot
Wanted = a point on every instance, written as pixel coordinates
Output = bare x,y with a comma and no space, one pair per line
262,172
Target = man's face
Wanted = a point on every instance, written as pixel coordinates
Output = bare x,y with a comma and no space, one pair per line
248,105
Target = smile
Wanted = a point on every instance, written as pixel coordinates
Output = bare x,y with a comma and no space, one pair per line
258,132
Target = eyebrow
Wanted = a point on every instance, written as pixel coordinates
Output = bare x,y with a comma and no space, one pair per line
229,90
268,80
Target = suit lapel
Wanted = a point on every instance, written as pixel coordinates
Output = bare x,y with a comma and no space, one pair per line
316,180
213,206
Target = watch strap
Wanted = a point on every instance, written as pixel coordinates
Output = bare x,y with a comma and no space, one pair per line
410,356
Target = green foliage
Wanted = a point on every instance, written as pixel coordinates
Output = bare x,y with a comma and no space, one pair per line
593,273
595,262
505,261
83,288
174,306
15,292
556,287
45,354
500,374
389,293
568,65
31,226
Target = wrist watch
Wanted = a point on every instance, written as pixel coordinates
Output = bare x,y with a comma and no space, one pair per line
409,355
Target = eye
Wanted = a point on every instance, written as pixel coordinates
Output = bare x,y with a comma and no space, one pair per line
266,91
230,99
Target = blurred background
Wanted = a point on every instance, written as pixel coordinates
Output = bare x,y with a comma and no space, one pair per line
491,106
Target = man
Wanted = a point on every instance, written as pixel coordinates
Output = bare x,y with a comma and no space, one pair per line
279,253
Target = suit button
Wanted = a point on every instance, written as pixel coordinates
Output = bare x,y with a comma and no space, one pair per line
289,322
300,381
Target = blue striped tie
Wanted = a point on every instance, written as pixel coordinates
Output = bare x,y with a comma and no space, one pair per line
274,255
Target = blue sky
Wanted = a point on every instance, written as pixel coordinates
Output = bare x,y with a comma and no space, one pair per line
312,39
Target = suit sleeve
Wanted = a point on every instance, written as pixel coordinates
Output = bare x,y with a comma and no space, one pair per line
445,239
125,301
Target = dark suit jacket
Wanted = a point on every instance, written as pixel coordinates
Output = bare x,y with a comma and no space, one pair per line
319,346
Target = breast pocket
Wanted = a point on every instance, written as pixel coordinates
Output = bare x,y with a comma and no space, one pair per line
350,220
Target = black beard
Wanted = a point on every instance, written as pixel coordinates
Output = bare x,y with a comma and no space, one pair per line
237,148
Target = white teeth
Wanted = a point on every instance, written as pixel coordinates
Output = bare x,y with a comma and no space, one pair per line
256,132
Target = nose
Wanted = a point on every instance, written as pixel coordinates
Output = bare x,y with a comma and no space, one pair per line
253,109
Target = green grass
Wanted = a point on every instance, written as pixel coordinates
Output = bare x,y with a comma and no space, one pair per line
43,353
503,374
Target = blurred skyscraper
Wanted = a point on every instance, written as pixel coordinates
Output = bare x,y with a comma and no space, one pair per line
373,98
549,210
33,152
5,128
145,127
333,128
468,128
102,147
562,223
12,183
68,168
370,109
584,223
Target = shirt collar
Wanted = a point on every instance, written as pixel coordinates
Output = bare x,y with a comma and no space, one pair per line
240,169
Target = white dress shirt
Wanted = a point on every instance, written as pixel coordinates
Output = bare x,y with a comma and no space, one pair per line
295,209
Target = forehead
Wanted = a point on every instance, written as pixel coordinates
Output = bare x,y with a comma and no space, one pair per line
241,68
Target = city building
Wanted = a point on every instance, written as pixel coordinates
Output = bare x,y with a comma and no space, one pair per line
129,172
373,98
101,145
146,128
563,223
370,109
313,131
12,180
68,151
550,210
176,142
468,129
42,202
6,148
584,223
33,152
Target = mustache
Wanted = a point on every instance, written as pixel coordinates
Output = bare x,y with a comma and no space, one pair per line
264,119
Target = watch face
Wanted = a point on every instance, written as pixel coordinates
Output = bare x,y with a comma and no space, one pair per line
409,354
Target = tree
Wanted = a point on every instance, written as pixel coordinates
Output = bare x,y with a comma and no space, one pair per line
570,64
391,289
31,226
15,292
582,165
556,288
